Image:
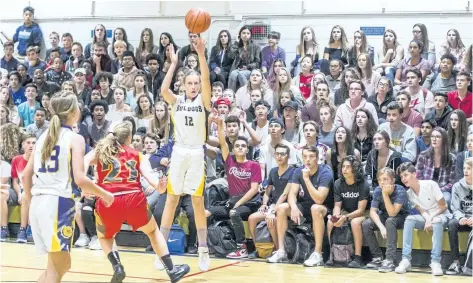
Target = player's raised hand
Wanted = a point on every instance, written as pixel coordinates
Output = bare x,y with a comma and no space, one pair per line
199,46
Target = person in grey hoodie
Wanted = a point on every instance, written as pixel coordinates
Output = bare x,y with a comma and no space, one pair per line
402,136
462,208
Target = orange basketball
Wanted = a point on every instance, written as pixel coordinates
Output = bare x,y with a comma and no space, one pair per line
197,20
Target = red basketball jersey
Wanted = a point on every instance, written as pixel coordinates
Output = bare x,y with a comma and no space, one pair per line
123,174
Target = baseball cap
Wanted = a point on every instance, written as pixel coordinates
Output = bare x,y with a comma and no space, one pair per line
223,101
80,70
276,120
291,104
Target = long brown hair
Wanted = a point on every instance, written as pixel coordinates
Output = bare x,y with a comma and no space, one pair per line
108,147
458,135
62,105
158,127
445,156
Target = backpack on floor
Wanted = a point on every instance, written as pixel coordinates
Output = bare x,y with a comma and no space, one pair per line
177,240
299,243
467,268
221,239
263,240
342,241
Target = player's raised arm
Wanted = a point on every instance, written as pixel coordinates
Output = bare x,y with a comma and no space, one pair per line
166,92
206,91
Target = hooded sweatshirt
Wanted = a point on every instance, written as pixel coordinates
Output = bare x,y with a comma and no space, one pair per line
346,114
402,140
27,36
126,80
462,204
372,165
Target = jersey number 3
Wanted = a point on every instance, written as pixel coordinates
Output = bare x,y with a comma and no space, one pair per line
114,170
53,163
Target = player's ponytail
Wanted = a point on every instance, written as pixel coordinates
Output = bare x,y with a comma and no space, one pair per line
108,147
62,105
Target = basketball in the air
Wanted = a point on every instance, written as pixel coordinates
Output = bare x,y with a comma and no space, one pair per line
197,20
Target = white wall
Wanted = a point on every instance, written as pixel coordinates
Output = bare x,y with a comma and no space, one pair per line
287,17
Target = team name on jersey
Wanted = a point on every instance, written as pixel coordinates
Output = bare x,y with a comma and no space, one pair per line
189,108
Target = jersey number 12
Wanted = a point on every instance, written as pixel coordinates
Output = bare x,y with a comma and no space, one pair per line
189,121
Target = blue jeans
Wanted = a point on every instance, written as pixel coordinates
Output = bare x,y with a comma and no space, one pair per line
238,77
418,222
447,195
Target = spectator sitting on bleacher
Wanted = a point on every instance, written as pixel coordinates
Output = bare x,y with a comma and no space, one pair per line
335,78
16,90
445,80
34,62
44,87
104,80
419,33
351,194
101,62
28,34
57,74
422,99
389,209
155,75
27,109
454,45
424,140
25,77
402,136
441,111
310,130
275,194
462,156
244,177
382,97
414,61
433,216
8,62
8,197
461,98
76,58
119,48
126,75
18,164
40,124
438,163
409,116
119,34
462,208
99,127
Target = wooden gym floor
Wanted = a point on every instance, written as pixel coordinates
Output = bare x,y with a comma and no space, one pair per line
21,263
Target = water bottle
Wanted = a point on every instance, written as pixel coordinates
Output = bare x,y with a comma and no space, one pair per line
369,180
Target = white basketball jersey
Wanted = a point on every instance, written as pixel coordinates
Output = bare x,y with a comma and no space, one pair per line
189,118
54,177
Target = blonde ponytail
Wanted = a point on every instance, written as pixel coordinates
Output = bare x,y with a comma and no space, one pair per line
62,105
109,147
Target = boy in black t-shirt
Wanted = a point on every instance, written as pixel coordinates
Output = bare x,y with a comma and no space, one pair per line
276,194
351,194
310,197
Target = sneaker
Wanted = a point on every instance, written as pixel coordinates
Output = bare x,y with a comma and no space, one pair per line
253,255
436,269
278,257
241,252
158,264
22,236
204,258
404,266
375,263
118,274
95,244
178,272
315,259
29,234
149,249
387,266
454,268
192,250
83,241
356,262
4,234
329,262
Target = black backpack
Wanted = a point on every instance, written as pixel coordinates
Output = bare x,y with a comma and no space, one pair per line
342,248
299,243
221,239
216,193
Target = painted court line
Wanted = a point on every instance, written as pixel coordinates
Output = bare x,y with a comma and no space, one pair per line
129,277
